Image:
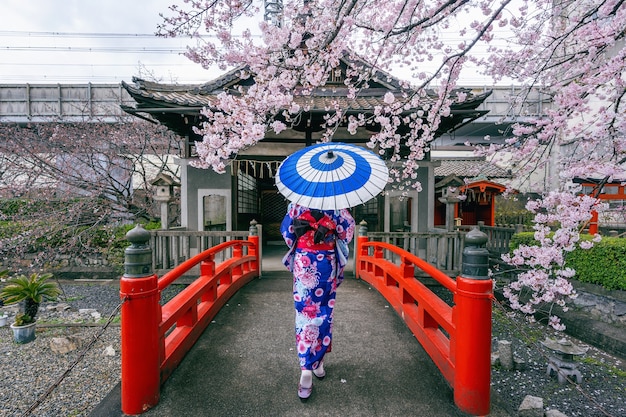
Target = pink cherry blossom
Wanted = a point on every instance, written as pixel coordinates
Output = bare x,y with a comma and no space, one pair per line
571,52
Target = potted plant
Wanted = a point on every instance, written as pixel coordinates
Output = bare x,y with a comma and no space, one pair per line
31,290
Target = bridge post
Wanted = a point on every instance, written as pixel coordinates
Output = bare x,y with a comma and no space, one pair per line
140,318
359,250
472,319
253,236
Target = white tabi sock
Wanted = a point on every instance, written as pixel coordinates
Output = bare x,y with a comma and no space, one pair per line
306,379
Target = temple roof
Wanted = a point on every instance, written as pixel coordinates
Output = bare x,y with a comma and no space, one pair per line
469,168
168,102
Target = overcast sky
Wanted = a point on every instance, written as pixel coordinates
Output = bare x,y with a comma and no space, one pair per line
67,41
106,41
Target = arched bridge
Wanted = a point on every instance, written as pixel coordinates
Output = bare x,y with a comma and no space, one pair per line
224,345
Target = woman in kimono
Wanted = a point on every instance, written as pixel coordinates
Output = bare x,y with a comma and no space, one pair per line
318,242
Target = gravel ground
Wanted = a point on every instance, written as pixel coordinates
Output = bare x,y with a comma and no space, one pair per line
601,393
29,371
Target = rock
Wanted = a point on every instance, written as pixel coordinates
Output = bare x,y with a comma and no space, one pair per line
62,307
554,413
531,407
62,345
506,354
109,351
585,299
519,364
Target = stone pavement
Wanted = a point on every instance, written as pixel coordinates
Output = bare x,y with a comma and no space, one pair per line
245,363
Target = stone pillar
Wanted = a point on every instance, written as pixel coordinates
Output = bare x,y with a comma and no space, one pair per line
450,200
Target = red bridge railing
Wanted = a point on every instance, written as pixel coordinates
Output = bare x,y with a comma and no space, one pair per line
457,337
156,337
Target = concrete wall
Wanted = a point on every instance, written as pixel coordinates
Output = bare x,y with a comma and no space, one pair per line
198,183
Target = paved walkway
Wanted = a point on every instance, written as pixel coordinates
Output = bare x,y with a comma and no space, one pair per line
245,364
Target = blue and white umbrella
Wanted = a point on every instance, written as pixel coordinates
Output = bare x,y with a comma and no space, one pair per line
331,176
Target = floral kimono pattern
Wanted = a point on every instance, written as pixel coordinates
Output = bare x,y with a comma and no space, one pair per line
317,272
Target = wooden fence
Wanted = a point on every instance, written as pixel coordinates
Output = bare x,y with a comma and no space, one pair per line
440,248
174,246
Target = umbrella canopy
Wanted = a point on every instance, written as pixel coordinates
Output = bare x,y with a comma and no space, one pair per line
332,175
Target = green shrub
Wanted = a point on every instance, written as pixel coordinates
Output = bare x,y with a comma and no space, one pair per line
604,264
118,244
524,238
9,228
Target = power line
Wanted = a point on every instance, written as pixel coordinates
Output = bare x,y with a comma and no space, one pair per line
70,64
16,33
112,49
100,35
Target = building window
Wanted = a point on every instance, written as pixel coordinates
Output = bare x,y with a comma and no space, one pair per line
336,76
371,207
588,189
247,193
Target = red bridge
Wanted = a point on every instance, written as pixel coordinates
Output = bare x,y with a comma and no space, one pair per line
156,337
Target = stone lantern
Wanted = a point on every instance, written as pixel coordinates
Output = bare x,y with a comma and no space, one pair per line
561,363
450,196
164,193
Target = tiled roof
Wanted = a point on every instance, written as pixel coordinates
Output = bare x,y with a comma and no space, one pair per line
323,100
469,168
190,97
165,103
149,94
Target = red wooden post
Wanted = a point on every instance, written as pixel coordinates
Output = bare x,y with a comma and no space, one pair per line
472,319
254,250
207,267
407,268
593,223
141,314
237,253
360,250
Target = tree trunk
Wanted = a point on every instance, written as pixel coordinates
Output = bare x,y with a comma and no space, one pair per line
31,308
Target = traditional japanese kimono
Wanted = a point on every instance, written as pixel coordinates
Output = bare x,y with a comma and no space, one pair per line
318,242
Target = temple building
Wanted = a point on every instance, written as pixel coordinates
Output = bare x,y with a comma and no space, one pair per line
477,181
212,201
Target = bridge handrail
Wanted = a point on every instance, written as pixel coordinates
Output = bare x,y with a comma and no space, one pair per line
408,258
457,337
187,314
173,246
423,312
171,276
440,248
155,338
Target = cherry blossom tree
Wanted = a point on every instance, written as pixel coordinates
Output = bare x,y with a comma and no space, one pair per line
61,182
573,51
